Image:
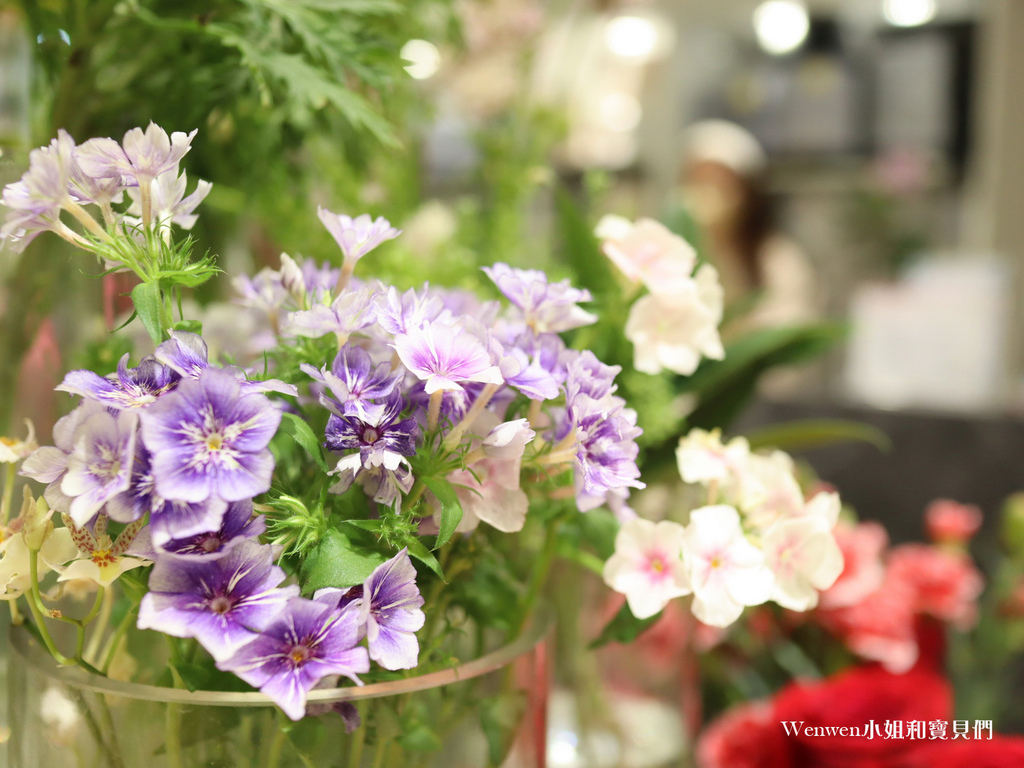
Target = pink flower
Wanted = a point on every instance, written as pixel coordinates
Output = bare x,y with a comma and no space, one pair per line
648,252
647,566
862,546
952,522
944,585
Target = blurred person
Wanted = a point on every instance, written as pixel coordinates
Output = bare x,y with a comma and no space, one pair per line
722,191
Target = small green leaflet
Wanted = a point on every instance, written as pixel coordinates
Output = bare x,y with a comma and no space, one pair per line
302,433
338,561
146,298
451,508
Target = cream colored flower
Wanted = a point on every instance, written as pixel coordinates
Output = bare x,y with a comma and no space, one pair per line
99,559
649,253
13,450
675,333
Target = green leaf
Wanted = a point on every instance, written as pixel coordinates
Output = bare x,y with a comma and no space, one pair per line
581,248
192,326
419,550
295,426
339,560
815,433
624,628
451,508
146,298
194,676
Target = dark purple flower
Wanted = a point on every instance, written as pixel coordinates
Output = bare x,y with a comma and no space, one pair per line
209,438
238,526
381,439
547,307
383,485
307,642
129,388
388,605
220,602
100,464
355,383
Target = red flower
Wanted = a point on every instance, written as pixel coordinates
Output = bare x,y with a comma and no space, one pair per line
747,736
950,522
999,752
858,698
879,627
863,546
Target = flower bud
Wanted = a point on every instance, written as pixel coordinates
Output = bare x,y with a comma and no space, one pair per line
38,524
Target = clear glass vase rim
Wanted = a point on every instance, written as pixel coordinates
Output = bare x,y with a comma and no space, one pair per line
33,653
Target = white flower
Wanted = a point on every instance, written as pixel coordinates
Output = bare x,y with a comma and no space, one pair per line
675,333
805,558
769,489
703,458
357,237
647,566
648,252
725,570
13,450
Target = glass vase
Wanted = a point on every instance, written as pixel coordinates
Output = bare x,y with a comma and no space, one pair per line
490,711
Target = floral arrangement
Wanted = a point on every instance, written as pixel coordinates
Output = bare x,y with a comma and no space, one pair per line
322,514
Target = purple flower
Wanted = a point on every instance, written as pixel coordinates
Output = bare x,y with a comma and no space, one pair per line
445,358
355,383
546,307
401,313
100,465
167,519
238,526
220,602
307,642
357,237
381,439
263,291
348,313
383,485
389,611
131,388
209,438
36,200
140,158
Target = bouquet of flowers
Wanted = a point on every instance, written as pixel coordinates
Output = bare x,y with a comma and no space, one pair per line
340,509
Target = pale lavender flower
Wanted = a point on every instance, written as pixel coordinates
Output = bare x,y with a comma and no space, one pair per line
263,291
100,465
402,312
547,307
140,158
170,204
381,439
49,463
357,237
209,438
238,526
389,610
220,602
356,386
348,313
445,358
93,191
528,376
320,279
36,200
306,643
130,388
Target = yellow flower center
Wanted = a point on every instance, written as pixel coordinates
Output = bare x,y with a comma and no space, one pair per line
8,441
103,557
214,442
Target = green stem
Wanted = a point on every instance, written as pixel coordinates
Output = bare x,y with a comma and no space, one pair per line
80,639
91,225
35,605
355,751
276,747
5,506
115,642
434,409
172,726
539,576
